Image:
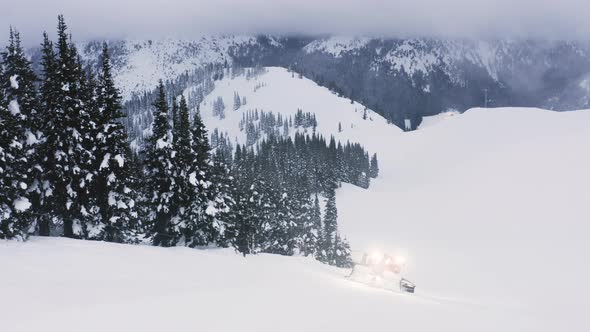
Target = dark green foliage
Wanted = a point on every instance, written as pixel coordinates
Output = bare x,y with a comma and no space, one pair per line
274,211
66,153
161,191
115,200
18,142
374,168
69,158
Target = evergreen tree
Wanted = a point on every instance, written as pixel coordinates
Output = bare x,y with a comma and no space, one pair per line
19,141
112,187
342,254
316,218
237,101
330,227
175,120
210,186
243,218
161,196
184,172
200,142
50,125
219,108
272,218
306,221
374,168
69,137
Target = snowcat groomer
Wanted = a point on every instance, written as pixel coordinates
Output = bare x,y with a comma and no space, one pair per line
382,271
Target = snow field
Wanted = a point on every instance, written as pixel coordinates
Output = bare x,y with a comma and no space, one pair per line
490,208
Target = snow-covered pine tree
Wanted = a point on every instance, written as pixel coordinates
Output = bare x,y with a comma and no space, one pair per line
207,184
184,156
89,217
318,231
200,142
188,176
19,142
50,122
6,160
112,187
251,134
273,217
363,180
74,156
174,124
330,226
374,168
237,101
342,253
69,138
219,208
219,108
286,129
243,218
161,189
304,230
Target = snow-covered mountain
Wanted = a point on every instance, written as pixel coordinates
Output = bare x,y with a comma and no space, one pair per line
421,77
141,63
398,78
494,229
282,92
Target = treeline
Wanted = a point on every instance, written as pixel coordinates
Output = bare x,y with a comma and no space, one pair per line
66,168
199,82
277,184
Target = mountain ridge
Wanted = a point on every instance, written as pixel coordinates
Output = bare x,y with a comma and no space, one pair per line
398,78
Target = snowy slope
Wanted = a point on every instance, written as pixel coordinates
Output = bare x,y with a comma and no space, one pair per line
139,64
336,45
68,285
490,208
283,92
429,121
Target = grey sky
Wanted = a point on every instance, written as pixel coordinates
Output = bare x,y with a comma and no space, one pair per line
568,19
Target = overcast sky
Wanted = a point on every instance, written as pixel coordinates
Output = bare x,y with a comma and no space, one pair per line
563,19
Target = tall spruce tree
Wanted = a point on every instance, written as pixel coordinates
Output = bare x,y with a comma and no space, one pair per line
244,218
208,186
186,174
342,254
374,168
19,142
200,141
314,234
50,121
73,137
175,123
115,199
330,226
161,190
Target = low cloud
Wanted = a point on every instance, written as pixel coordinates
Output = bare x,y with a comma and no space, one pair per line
539,19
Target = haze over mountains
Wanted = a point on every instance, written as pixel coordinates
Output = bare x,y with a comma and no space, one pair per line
399,78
